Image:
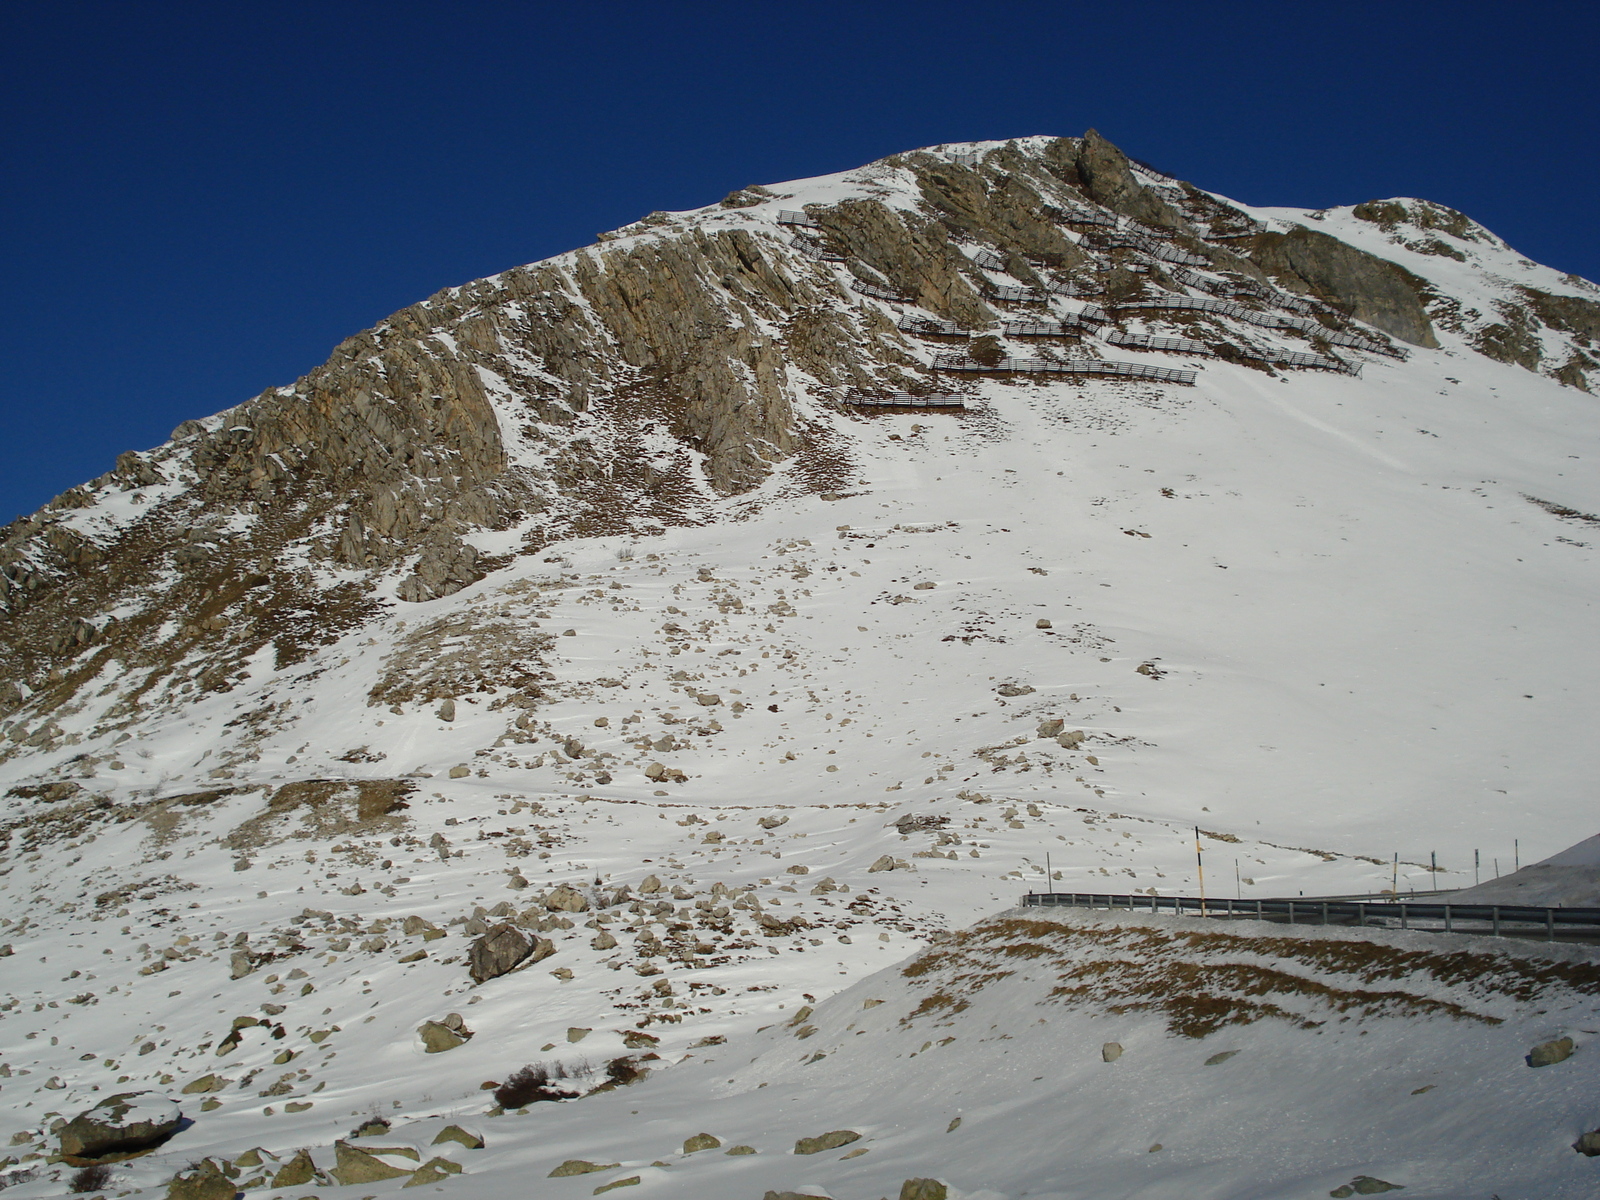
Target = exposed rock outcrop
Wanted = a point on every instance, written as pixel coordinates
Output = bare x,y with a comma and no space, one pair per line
1368,288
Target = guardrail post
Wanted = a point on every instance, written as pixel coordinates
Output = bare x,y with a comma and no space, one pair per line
1324,912
1258,910
1403,924
1291,912
1448,928
1549,924
1361,910
1494,912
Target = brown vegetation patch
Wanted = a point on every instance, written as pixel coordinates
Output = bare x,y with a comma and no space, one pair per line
1202,980
327,808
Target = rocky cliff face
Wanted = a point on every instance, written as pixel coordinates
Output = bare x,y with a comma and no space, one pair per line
679,362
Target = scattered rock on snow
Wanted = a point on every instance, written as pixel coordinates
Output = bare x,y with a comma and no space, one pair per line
923,1189
504,948
579,1166
700,1141
1547,1054
1111,1051
566,898
1364,1185
439,1036
831,1140
121,1125
355,1165
203,1181
454,1133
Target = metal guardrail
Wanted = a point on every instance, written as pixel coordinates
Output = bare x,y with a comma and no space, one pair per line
1503,920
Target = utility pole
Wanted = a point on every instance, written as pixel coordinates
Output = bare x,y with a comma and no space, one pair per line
1394,885
1433,867
1516,854
1048,873
1475,864
1201,867
1238,888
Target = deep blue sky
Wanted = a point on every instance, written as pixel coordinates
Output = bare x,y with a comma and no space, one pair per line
197,201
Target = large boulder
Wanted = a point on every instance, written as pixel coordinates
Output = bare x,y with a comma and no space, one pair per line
503,948
121,1125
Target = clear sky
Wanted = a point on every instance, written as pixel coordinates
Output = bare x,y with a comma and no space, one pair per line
197,201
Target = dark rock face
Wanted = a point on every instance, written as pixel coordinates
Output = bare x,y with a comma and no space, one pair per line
1368,288
123,1124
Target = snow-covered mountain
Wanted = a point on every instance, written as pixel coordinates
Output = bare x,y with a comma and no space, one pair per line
740,601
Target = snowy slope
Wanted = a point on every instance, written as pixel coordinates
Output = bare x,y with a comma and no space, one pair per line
1313,613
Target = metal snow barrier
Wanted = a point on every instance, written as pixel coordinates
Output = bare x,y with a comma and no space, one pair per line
1056,288
988,260
1496,920
1336,337
1084,216
790,217
1223,308
1077,366
813,250
966,158
881,293
1013,294
929,326
907,400
1144,341
1062,328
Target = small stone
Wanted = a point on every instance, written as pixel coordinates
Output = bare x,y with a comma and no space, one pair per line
617,1183
447,711
923,1189
1220,1058
923,587
576,1033
1110,1052
295,1106
883,862
460,771
740,1150
701,1141
1589,1144
206,1083
954,1125
1043,623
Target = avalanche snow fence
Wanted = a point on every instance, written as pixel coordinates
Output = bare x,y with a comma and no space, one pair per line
1498,920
